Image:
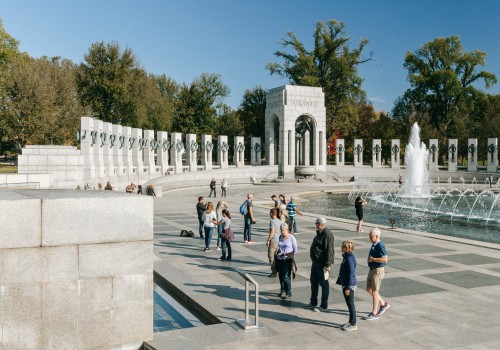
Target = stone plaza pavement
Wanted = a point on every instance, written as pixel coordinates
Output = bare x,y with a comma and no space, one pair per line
444,292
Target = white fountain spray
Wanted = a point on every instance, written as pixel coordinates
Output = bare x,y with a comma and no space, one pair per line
416,178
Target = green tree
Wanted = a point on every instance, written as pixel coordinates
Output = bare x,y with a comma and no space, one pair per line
8,46
333,65
107,84
197,105
252,111
443,78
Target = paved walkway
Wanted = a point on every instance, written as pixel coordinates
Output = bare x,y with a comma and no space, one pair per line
443,293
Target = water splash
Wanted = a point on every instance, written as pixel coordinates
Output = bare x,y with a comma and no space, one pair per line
416,178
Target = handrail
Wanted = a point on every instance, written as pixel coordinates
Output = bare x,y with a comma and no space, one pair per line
247,323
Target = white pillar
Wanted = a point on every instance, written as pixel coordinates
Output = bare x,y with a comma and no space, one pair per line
395,154
358,152
129,144
239,151
137,152
206,151
98,150
453,155
321,166
340,152
256,154
86,148
377,153
176,152
149,151
162,152
191,152
117,145
307,149
222,151
433,155
492,154
107,151
472,155
270,150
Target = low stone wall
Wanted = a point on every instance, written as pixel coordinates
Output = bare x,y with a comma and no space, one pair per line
76,269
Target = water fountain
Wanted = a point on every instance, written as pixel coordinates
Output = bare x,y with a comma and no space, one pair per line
416,179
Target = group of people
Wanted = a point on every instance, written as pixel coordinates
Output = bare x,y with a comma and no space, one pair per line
132,188
287,212
213,187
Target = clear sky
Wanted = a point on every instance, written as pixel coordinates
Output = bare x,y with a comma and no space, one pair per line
236,38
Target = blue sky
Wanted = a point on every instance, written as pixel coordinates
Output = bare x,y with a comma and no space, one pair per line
236,38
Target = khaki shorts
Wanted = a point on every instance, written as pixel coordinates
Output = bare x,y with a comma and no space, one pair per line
375,278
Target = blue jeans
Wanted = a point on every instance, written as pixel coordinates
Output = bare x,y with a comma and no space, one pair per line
208,235
284,268
293,224
212,190
349,300
219,232
226,247
200,226
247,231
318,279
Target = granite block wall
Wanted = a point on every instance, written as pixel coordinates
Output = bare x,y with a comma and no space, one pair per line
76,269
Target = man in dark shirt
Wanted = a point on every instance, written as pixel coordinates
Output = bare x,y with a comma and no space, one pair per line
377,259
200,209
322,255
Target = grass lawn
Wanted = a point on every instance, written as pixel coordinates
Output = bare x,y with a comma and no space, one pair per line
8,169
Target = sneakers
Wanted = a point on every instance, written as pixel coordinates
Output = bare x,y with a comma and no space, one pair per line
383,308
312,307
370,317
282,295
218,248
344,325
272,275
296,233
323,309
207,250
246,242
350,328
251,242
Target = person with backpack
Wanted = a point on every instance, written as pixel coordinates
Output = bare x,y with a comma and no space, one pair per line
246,209
213,183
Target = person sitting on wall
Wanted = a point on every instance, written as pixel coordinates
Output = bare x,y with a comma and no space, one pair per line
130,188
139,189
108,187
150,191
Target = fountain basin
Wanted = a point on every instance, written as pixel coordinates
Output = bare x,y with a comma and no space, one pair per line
305,170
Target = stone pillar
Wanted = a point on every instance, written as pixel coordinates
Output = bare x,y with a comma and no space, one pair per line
395,154
88,137
176,152
191,152
340,152
149,151
137,152
128,144
206,151
162,152
239,151
472,155
377,153
117,145
222,151
307,148
433,155
453,155
98,150
107,150
321,165
256,152
492,154
358,152
270,150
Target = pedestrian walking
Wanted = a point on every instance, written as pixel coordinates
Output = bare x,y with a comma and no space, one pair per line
249,220
200,209
273,240
209,222
358,204
291,207
283,215
213,184
223,187
347,279
322,255
218,211
227,236
287,248
377,259
139,189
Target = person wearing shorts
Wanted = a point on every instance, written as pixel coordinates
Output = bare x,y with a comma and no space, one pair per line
377,259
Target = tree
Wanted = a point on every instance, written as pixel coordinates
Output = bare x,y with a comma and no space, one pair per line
9,46
39,101
252,112
197,105
333,65
107,84
443,79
